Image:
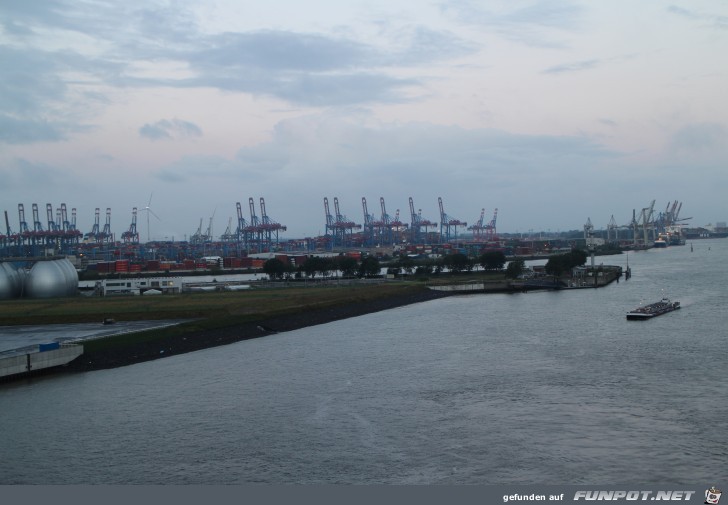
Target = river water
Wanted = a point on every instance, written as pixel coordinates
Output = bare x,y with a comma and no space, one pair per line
531,388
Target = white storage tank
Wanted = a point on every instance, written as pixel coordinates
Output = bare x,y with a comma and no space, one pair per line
47,279
10,281
71,275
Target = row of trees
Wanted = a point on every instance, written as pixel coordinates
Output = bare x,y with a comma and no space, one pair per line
348,266
560,263
492,261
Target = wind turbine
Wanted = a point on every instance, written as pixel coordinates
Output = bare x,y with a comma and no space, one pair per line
149,210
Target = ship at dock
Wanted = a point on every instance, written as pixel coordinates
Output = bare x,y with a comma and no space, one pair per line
653,310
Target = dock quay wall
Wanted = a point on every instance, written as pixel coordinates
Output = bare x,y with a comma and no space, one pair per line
38,360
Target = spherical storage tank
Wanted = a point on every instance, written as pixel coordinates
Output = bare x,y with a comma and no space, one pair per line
51,279
11,281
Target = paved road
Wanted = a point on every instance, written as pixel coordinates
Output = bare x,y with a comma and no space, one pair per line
13,338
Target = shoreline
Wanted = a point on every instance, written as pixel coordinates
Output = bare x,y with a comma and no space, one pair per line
204,339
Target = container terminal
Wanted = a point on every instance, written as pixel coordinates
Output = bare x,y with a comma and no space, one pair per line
255,232
44,258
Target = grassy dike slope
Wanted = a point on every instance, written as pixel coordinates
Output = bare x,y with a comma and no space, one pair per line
219,318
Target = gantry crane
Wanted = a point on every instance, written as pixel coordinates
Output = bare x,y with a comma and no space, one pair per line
341,228
131,236
448,225
418,224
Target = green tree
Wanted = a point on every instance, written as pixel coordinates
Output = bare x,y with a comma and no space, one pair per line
556,265
347,265
275,268
425,267
312,266
369,267
456,262
560,263
406,263
515,268
578,257
492,260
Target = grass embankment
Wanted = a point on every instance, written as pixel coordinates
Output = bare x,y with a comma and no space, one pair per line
226,315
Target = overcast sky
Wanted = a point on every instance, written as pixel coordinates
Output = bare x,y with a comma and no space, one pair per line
551,111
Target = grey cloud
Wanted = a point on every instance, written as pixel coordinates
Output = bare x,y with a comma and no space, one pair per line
193,167
35,98
166,129
698,137
532,25
279,50
22,173
30,79
563,15
25,131
427,45
572,67
342,153
312,70
711,20
304,69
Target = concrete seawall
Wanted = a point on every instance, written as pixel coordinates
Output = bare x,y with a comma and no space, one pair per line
29,362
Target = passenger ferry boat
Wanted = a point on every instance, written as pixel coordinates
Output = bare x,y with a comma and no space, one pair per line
653,309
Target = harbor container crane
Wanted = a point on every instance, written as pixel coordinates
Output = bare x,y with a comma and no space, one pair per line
341,228
95,230
391,227
197,238
269,227
371,225
241,231
448,225
228,235
106,235
37,225
24,230
418,236
254,230
131,236
478,228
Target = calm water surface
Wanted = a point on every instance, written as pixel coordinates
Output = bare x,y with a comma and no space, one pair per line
534,388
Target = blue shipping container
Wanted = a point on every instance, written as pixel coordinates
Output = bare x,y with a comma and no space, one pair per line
48,347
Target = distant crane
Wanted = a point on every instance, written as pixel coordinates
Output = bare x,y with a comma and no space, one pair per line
24,230
94,233
338,224
392,227
131,236
197,237
52,226
254,229
269,227
371,226
208,233
490,229
37,225
228,235
612,227
418,224
448,225
106,235
241,231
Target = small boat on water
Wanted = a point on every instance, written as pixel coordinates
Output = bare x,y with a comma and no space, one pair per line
653,309
660,241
